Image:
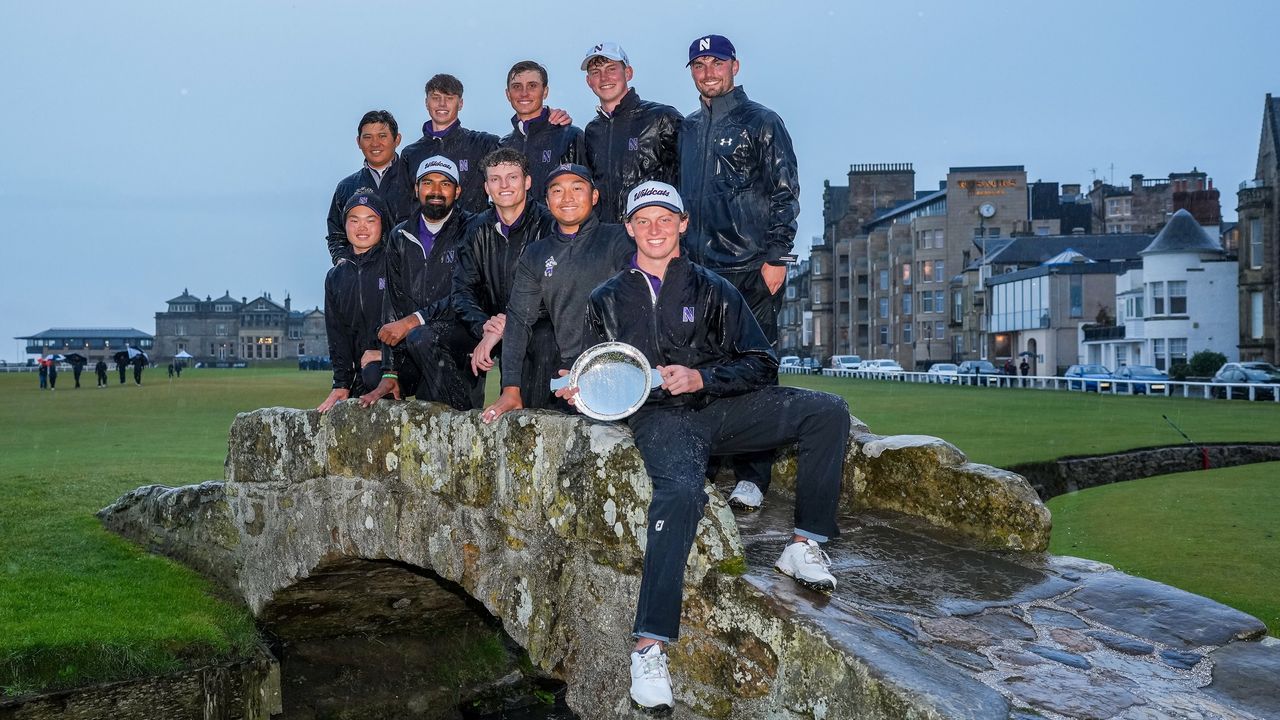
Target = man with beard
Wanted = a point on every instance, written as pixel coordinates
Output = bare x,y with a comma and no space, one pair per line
544,143
353,292
555,276
428,345
719,393
738,169
377,136
486,270
630,140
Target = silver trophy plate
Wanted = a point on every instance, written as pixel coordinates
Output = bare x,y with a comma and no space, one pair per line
613,380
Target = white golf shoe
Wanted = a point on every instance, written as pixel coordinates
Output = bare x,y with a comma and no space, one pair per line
746,497
807,564
650,680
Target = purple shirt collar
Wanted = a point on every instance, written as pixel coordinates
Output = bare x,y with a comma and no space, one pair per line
655,282
426,130
504,228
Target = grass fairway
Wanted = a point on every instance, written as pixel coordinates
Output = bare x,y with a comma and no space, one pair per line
78,604
1213,533
1008,426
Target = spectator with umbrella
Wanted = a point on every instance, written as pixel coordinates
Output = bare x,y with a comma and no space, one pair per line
53,371
43,370
139,360
78,362
122,362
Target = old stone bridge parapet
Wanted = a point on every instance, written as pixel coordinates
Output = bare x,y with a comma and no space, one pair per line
541,517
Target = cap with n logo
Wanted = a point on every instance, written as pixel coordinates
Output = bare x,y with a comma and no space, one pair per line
716,46
610,50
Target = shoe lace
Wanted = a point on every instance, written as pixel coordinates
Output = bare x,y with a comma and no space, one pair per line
813,553
653,665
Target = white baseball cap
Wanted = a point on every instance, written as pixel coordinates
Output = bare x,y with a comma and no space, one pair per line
438,164
611,50
654,193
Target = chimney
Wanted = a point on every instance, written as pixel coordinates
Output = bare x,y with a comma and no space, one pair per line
288,302
244,300
1135,182
1072,189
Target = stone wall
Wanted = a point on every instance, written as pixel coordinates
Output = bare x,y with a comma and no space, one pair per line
1057,477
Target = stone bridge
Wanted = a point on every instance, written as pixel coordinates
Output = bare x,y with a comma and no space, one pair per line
947,606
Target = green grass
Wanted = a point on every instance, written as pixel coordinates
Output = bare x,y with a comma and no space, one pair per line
1212,532
1008,426
79,605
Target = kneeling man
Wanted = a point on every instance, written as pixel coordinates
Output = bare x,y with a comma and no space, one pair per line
718,396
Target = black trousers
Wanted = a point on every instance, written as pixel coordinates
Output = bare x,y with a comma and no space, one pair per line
102,377
756,468
541,365
121,368
75,371
441,354
676,443
137,374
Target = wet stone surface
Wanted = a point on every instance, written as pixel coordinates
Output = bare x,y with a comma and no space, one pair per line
1052,637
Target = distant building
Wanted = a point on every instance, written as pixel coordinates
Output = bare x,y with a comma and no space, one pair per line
1146,204
227,329
792,337
1258,211
1183,299
93,343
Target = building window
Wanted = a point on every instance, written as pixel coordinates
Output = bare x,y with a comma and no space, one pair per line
993,232
791,292
977,232
1157,354
1177,297
220,330
817,264
884,307
884,334
1255,316
1042,230
906,274
1121,356
939,301
957,306
1157,298
926,302
1077,296
906,332
884,279
1255,243
295,333
957,344
939,330
222,308
1137,306
906,303
939,270
1177,351
182,329
926,271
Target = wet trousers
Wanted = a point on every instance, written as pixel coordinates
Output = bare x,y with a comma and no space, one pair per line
755,468
676,442
441,354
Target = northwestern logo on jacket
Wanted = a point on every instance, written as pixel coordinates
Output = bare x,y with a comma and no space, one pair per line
462,165
687,315
550,266
382,283
633,144
546,156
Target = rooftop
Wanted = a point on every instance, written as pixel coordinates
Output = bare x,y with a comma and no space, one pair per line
85,333
1182,234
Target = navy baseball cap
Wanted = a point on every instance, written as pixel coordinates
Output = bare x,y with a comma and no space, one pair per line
581,171
370,199
717,46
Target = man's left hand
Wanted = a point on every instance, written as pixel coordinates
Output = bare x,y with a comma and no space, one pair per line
678,379
393,333
774,276
559,117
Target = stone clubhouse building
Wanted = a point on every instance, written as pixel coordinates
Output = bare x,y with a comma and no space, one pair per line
227,329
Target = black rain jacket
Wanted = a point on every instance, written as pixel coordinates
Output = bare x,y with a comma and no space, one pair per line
466,148
697,319
546,146
396,190
638,142
740,184
487,263
554,278
421,282
354,291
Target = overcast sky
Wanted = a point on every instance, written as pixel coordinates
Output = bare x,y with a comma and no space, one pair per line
149,147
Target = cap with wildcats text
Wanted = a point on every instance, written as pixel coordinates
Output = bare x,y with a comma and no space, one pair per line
717,46
654,193
610,50
438,164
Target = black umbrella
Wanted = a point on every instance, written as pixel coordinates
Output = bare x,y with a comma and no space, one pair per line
121,357
75,358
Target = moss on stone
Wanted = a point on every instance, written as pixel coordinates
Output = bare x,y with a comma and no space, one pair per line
736,565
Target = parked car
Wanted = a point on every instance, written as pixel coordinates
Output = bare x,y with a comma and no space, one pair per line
1088,377
1241,375
970,371
845,362
943,373
880,368
811,365
789,360
1156,380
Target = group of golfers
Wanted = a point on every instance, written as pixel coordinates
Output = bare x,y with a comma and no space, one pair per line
668,232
